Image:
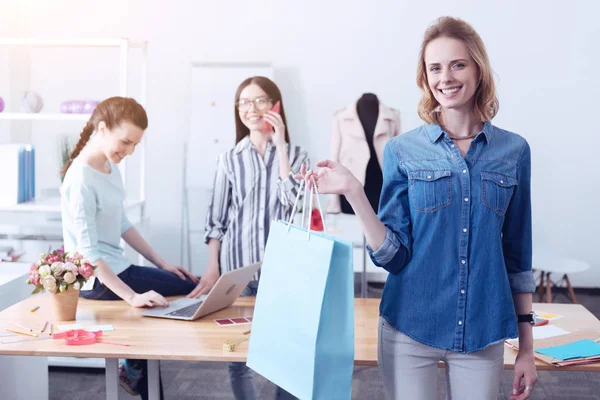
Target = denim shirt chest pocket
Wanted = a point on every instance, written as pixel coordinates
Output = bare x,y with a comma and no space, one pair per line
431,190
497,190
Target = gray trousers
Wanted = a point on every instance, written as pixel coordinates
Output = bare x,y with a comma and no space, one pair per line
409,369
242,380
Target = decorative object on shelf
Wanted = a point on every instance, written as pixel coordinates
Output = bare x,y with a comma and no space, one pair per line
63,275
8,254
31,102
1,104
89,106
78,106
65,107
5,251
17,163
65,146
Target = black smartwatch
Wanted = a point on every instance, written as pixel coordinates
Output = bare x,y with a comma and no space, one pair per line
528,318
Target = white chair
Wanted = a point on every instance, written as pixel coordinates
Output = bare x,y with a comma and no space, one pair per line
547,263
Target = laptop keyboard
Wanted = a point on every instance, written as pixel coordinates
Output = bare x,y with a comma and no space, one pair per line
188,311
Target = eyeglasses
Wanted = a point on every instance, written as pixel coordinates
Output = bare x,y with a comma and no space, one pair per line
260,103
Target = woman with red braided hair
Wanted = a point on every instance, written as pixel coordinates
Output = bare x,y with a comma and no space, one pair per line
94,221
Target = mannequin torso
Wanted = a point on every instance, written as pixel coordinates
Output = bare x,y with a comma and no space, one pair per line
367,108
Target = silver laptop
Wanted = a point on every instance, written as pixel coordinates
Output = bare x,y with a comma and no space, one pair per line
227,289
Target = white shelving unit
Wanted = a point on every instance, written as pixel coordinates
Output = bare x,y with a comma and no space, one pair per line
124,45
44,213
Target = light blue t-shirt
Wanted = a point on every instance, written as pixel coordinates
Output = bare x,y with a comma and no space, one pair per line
93,215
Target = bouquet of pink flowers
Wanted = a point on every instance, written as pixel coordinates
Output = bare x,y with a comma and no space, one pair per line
58,270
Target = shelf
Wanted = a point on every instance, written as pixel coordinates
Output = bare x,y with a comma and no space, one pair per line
50,231
76,362
96,42
52,205
44,117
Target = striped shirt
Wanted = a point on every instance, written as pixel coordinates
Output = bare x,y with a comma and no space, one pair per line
248,194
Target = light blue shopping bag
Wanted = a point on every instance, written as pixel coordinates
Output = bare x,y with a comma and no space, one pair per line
303,327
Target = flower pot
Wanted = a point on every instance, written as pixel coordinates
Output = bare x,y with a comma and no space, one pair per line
63,305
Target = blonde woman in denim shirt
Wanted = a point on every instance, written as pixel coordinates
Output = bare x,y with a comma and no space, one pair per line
453,230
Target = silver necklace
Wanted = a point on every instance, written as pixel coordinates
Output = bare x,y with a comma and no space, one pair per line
463,138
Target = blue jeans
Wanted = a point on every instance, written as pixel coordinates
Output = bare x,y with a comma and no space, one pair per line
242,381
141,280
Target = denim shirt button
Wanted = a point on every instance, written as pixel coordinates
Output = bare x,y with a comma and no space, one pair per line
464,261
460,322
466,199
464,171
462,291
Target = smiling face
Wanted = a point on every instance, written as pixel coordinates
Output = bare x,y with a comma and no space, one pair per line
452,74
252,104
120,141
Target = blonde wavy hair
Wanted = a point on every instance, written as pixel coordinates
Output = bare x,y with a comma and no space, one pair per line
486,104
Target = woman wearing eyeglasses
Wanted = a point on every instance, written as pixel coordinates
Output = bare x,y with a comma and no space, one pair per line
254,184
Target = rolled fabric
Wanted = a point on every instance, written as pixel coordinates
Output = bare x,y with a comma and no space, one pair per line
89,106
76,106
65,107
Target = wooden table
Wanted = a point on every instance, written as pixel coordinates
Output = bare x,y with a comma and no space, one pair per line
17,383
576,318
202,340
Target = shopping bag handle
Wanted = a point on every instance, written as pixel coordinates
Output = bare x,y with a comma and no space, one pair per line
295,205
315,190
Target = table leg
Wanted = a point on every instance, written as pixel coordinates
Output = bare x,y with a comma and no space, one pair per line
153,380
112,378
541,287
548,288
570,288
363,278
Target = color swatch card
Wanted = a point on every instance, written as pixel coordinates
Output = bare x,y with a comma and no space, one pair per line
579,349
546,331
233,321
542,332
549,316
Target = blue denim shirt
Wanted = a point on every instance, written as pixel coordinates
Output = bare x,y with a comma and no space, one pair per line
458,240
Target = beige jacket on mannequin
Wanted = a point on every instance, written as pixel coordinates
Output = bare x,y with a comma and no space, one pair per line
349,144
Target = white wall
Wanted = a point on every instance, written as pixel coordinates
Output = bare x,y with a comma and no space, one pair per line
326,54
